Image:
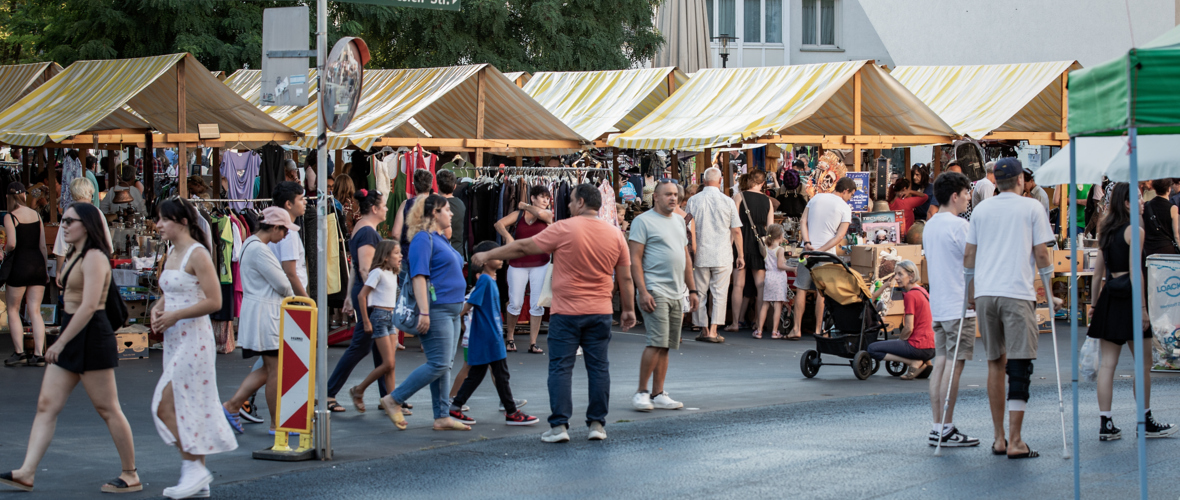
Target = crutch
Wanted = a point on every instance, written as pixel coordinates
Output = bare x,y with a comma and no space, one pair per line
954,359
1047,280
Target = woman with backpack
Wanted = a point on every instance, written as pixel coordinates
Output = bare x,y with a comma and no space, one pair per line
85,352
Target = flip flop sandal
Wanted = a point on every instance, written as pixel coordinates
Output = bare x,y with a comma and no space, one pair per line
536,350
396,417
358,400
118,485
1000,453
455,426
6,478
776,335
335,407
911,373
510,345
1028,454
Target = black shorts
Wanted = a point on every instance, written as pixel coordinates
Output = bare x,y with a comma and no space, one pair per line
94,348
250,353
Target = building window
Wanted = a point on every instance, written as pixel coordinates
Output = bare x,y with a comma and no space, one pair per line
774,21
727,17
753,21
709,12
819,23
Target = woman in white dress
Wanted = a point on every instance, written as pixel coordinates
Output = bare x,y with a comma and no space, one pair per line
264,285
184,406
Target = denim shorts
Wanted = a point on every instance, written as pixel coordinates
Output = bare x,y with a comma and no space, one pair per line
382,321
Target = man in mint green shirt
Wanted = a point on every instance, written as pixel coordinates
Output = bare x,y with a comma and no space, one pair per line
91,165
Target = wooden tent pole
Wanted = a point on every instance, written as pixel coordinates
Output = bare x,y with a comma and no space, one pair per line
480,91
182,128
726,174
25,165
856,120
675,163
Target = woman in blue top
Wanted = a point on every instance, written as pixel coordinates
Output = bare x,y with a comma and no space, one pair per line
361,248
436,270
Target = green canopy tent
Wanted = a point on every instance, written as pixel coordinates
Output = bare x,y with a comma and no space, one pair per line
1132,94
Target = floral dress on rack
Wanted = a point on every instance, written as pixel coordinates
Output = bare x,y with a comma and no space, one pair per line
189,364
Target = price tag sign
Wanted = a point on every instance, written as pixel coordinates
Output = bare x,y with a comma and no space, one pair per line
414,4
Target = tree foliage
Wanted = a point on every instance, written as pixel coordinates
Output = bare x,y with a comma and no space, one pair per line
513,35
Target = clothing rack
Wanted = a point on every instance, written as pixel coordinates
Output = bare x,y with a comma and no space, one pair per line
540,170
252,200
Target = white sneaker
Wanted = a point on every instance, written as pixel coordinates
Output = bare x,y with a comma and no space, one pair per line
597,432
579,351
642,401
664,402
556,435
192,481
519,404
204,493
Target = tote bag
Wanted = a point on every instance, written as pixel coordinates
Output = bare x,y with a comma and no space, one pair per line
333,256
406,314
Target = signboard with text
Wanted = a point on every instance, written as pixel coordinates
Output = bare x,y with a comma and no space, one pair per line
860,199
414,4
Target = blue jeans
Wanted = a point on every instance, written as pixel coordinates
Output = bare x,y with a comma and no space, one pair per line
897,347
566,334
358,348
382,321
439,344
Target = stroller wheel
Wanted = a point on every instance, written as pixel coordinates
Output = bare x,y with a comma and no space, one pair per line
876,366
809,363
862,365
894,368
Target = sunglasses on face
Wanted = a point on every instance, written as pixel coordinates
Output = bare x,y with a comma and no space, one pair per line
65,221
666,181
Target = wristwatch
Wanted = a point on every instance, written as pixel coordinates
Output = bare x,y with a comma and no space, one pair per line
694,292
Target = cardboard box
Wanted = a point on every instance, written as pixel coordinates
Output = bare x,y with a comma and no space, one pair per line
1086,262
925,274
137,312
869,255
897,304
1044,319
132,345
1042,299
865,272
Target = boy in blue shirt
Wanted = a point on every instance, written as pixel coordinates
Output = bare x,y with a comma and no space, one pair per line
485,344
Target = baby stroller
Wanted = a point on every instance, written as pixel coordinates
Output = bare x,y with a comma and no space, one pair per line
851,322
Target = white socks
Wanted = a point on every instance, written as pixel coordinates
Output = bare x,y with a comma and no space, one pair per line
942,429
1104,414
1016,405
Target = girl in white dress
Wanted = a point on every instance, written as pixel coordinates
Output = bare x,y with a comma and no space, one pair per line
185,403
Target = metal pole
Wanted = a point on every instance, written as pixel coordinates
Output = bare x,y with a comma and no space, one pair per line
1073,307
323,438
1136,278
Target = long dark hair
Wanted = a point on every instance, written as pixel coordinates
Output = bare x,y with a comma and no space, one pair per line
180,210
367,199
91,220
1116,215
923,181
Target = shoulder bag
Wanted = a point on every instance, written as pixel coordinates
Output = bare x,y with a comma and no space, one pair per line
406,313
1147,210
757,237
115,309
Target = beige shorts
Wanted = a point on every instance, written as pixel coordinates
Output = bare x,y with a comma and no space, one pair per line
663,325
1008,327
946,335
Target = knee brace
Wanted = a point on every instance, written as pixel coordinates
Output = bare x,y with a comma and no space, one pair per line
1019,375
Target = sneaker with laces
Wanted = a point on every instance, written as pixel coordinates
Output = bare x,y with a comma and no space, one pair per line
557,434
17,358
193,479
458,415
1107,431
642,401
954,439
520,418
519,403
664,402
932,438
35,360
1158,430
597,431
203,493
249,412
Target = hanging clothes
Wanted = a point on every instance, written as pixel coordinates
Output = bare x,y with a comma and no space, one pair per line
271,171
240,170
71,168
607,211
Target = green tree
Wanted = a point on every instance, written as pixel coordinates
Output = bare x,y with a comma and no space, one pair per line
517,35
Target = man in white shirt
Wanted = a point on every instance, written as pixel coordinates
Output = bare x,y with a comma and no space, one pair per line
718,227
823,226
944,241
1006,249
986,187
288,195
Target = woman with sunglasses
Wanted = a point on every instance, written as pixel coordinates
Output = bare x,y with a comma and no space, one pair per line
85,352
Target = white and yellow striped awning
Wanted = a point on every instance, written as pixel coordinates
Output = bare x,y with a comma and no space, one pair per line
443,101
90,95
719,107
18,80
594,103
979,100
248,84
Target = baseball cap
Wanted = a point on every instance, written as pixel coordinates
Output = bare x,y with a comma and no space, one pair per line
15,187
1008,168
1028,174
276,216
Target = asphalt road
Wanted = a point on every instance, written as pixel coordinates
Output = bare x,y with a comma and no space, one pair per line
756,427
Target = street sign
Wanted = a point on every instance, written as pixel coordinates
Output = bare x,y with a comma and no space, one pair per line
285,38
414,4
341,82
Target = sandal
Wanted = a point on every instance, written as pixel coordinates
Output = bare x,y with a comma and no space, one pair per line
536,350
455,426
510,345
395,416
118,485
335,407
776,335
6,478
912,373
757,334
1028,454
730,328
358,399
997,452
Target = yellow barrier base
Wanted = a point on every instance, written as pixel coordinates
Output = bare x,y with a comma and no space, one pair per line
282,451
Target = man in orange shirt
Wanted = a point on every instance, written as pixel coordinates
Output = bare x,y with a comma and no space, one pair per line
586,251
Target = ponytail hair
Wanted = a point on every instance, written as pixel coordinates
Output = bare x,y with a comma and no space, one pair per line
773,232
367,199
180,210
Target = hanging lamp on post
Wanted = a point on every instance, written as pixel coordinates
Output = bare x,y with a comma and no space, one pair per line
723,51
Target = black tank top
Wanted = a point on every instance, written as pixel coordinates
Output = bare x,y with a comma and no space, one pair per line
1116,253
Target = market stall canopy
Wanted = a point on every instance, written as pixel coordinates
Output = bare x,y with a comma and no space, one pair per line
1148,77
595,103
1007,100
685,26
802,104
18,80
248,84
445,101
90,95
520,78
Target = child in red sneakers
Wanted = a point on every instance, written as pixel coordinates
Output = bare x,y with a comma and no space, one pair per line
485,345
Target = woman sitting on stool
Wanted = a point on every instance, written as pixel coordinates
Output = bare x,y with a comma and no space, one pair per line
915,347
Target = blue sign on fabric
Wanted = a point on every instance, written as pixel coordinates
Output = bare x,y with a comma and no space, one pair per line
860,199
